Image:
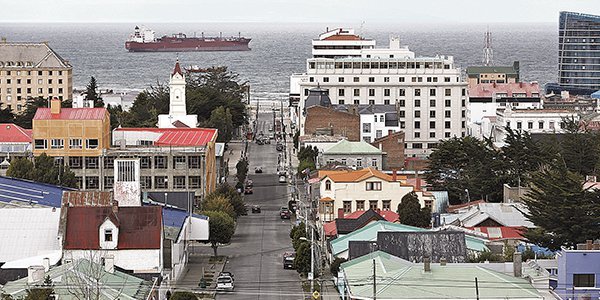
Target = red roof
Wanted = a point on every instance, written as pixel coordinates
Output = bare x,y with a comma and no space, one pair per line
139,227
489,89
11,133
85,113
388,215
343,37
177,69
505,232
192,137
330,228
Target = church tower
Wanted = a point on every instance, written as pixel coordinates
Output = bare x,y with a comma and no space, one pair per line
177,117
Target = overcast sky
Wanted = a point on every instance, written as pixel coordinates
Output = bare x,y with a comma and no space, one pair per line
385,11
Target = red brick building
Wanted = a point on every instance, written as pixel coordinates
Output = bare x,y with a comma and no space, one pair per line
392,146
329,121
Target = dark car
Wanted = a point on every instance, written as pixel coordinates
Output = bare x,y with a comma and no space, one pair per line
285,213
256,209
248,190
258,170
279,147
288,260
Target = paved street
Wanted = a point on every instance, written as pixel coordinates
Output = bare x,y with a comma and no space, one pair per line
260,239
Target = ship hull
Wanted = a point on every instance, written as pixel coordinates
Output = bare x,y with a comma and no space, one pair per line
188,45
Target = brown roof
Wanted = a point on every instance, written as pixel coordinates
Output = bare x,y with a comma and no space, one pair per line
139,227
87,198
343,37
177,69
358,175
490,89
179,124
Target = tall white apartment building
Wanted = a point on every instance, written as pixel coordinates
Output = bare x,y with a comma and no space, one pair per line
429,92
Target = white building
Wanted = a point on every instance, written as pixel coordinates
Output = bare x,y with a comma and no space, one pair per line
429,92
363,189
534,121
377,121
177,116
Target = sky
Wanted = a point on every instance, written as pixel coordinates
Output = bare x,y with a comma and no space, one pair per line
292,11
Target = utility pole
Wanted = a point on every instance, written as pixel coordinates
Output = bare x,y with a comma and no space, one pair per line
374,280
476,288
312,259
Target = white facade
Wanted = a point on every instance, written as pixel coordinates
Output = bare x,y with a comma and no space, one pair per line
127,188
108,235
429,91
177,108
138,260
531,120
340,42
373,126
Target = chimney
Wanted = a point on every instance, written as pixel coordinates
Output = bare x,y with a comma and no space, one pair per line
418,184
443,261
520,84
35,274
115,207
427,264
109,264
394,177
46,264
517,264
589,245
55,104
340,213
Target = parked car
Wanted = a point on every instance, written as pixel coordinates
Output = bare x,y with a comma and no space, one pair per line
285,213
258,170
225,283
248,190
259,141
256,209
249,182
225,274
279,147
288,260
282,179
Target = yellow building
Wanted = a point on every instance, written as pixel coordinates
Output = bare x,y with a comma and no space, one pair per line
31,70
66,132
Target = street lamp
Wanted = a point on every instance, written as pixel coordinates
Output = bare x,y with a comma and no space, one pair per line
312,258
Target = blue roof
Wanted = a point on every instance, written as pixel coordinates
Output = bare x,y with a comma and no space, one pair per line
27,191
174,217
596,95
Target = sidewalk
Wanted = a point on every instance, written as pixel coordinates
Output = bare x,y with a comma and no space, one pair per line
231,157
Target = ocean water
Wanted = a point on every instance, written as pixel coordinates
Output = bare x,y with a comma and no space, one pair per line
278,50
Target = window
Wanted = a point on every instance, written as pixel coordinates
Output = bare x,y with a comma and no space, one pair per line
341,92
386,101
401,114
417,103
41,144
431,145
386,204
75,144
146,182
431,124
432,102
75,162
179,162
447,114
431,92
161,182
551,125
417,92
386,79
432,135
464,92
145,162
402,103
358,164
91,162
92,143
371,79
328,185
386,92
92,182
356,79
584,280
373,186
341,101
325,79
378,134
541,124
109,182
108,237
401,79
194,162
446,134
417,113
160,162
109,162
356,101
371,92
519,125
311,79
417,135
417,124
446,79
447,103
463,114
529,125
179,182
340,79
432,114
347,206
401,92
366,127
194,181
356,92
373,204
360,204
126,171
447,124
417,146
448,92
371,102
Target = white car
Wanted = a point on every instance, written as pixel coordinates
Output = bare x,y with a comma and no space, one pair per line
282,179
225,283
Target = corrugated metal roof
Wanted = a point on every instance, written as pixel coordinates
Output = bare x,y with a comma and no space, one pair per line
346,147
180,136
26,232
24,192
84,113
11,133
139,227
87,198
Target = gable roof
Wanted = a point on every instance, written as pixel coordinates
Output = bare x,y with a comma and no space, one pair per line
504,232
506,214
22,192
350,148
401,279
139,227
347,225
84,113
357,175
177,69
32,55
388,215
12,133
193,137
27,232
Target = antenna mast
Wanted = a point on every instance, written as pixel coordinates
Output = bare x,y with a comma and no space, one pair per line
488,53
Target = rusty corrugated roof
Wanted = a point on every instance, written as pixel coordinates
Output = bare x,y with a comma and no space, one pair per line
83,113
87,198
139,227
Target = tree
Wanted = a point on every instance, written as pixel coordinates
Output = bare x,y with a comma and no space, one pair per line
302,259
25,119
300,227
411,213
218,202
580,148
6,114
41,292
88,280
42,169
242,169
92,94
20,168
183,296
235,199
221,119
116,115
221,228
296,139
564,212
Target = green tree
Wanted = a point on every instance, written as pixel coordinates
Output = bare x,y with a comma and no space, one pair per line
218,202
116,115
298,237
6,114
563,211
302,259
25,119
221,119
41,292
183,296
20,168
335,265
242,169
235,199
221,228
42,169
411,213
580,148
92,94
300,227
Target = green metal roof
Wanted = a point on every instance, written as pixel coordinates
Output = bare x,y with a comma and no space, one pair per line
400,279
369,233
346,147
69,279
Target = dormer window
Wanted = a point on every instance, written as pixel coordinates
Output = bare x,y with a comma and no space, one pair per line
108,235
328,185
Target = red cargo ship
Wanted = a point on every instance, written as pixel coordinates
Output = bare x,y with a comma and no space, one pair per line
144,40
